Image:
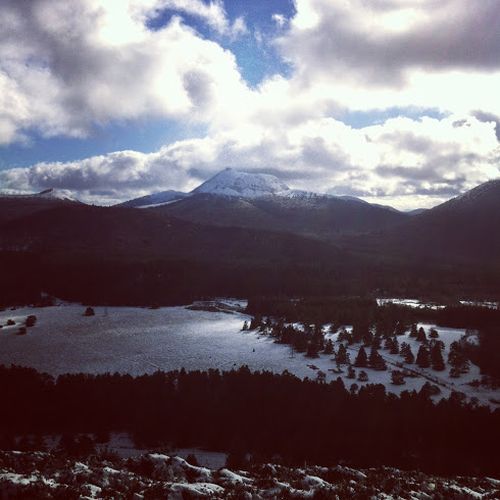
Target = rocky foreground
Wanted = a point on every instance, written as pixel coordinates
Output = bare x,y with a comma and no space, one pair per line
46,475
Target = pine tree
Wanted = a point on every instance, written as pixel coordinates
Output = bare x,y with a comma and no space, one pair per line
363,376
376,361
413,330
421,337
342,335
329,347
397,377
400,328
394,347
351,372
423,360
245,326
408,356
388,343
360,331
437,360
433,333
342,356
256,322
361,359
457,358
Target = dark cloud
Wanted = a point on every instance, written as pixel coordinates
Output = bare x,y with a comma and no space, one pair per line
456,34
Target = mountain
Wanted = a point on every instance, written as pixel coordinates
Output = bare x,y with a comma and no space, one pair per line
128,256
17,206
207,244
417,211
463,229
321,217
261,201
232,182
154,199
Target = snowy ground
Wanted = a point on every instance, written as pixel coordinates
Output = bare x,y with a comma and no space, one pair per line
139,340
418,304
37,475
439,378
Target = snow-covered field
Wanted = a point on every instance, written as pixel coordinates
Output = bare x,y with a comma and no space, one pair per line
440,378
138,340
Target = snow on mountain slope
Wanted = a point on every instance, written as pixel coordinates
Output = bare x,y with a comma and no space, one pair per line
231,182
47,194
155,199
56,194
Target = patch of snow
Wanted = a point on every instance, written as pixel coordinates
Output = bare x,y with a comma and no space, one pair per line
155,199
414,303
20,479
201,490
234,183
232,477
480,303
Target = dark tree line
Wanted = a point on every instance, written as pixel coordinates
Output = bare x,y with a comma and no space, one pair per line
267,415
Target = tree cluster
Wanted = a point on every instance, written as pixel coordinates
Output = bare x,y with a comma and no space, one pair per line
265,414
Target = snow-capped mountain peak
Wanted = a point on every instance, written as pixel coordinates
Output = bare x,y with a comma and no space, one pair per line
56,194
231,182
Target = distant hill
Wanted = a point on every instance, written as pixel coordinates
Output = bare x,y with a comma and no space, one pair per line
321,217
155,199
207,245
15,206
129,256
463,229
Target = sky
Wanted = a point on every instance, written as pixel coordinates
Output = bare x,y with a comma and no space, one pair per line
394,101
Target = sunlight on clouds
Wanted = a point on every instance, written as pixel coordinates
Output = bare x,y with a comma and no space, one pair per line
307,17
71,65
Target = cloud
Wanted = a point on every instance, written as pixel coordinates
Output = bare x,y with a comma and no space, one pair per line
67,66
212,12
380,53
401,161
279,19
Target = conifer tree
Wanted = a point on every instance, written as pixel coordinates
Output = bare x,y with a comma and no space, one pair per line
361,360
342,356
329,347
437,360
394,347
376,342
423,360
433,333
397,377
413,330
376,361
408,356
421,337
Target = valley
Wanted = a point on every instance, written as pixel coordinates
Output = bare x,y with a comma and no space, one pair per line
136,341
